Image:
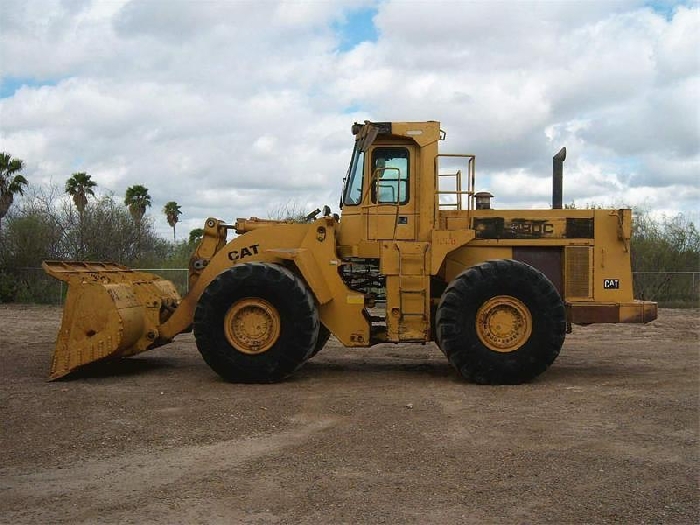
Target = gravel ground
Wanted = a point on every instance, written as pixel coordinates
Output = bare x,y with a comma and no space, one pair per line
384,435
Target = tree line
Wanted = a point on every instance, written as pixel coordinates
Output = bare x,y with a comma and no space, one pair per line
666,259
45,225
79,187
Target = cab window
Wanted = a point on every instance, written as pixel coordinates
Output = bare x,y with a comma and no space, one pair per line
390,175
353,188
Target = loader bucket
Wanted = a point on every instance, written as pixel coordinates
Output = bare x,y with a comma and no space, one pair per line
110,311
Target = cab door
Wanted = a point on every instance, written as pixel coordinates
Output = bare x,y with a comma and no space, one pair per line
390,210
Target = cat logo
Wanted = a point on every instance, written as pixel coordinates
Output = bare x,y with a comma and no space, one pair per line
611,284
235,255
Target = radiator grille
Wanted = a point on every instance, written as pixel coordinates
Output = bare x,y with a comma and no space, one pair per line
578,271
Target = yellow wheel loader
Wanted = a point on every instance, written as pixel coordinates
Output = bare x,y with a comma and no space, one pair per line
417,255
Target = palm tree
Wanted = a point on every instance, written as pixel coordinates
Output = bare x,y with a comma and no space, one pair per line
172,213
11,182
79,186
195,236
138,200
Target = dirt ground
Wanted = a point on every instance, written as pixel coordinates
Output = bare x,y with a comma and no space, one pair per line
385,435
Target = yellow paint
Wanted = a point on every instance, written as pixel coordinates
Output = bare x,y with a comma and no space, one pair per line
112,311
252,325
503,323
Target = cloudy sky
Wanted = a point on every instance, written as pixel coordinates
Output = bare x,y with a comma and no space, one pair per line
234,108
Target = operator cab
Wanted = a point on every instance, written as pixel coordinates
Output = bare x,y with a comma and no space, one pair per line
380,198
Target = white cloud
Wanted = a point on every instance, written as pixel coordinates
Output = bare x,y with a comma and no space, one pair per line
233,108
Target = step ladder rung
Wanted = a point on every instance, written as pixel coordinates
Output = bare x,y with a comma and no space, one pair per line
413,285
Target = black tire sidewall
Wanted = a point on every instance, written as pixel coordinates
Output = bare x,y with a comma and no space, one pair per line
287,293
456,322
324,334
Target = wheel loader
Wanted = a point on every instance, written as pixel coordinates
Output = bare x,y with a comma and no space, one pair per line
415,255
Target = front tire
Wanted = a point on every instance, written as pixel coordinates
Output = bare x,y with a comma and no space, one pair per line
501,322
324,334
256,323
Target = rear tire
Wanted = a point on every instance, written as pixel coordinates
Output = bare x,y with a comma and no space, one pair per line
256,323
501,322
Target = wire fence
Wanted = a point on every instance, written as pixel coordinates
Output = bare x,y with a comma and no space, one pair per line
670,289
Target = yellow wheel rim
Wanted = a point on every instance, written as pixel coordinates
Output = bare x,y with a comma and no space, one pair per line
252,325
503,323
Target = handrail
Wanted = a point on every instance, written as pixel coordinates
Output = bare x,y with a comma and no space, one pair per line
458,192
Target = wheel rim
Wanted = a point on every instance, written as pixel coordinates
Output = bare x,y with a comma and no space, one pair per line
252,325
503,323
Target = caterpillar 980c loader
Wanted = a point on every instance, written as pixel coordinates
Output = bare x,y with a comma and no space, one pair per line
496,290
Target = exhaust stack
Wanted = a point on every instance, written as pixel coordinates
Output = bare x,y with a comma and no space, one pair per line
557,178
